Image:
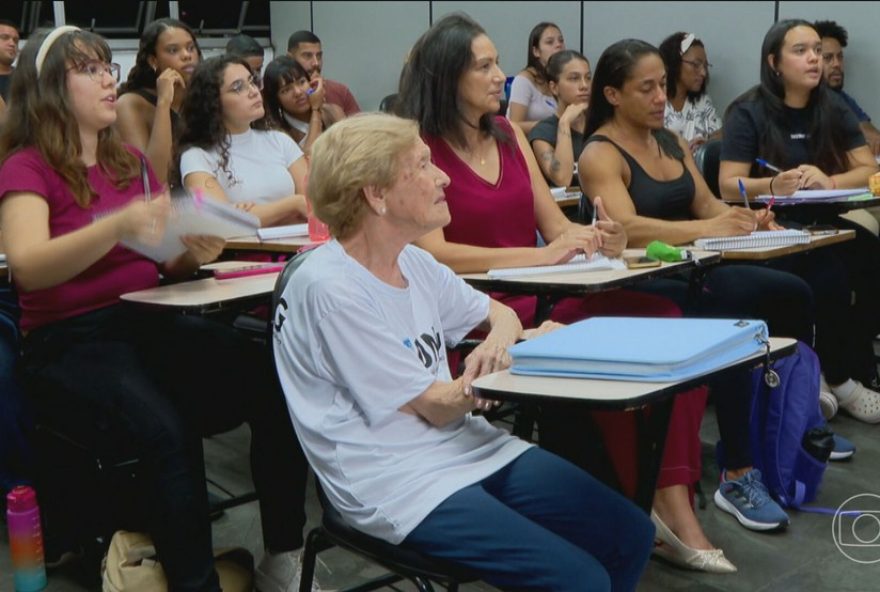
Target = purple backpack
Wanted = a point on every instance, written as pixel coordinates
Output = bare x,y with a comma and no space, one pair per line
790,444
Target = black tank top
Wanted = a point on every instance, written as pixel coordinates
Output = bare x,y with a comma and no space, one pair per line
665,200
151,98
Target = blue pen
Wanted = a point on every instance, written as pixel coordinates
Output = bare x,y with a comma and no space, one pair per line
767,165
742,191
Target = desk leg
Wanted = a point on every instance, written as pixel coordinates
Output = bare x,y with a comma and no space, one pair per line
651,427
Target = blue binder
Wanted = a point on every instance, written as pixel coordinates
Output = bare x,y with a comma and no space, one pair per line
639,348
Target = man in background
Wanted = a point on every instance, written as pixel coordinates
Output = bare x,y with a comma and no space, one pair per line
305,48
834,39
8,53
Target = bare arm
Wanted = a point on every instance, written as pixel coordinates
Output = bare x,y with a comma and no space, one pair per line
602,172
517,114
872,136
40,262
445,402
148,129
564,237
282,211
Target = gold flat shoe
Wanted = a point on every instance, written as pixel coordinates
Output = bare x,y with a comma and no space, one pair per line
673,550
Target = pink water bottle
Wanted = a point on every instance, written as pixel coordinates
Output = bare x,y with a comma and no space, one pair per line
25,539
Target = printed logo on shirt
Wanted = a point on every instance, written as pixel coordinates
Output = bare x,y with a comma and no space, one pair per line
799,136
429,347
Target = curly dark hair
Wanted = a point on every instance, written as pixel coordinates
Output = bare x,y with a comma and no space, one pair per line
202,111
833,30
280,72
142,74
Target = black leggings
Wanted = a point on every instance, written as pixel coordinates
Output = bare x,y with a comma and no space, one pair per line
164,381
782,299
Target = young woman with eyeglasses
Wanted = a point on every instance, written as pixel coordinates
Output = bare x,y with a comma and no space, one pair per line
70,192
262,171
150,100
689,108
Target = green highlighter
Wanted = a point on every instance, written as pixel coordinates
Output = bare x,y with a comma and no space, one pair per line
666,252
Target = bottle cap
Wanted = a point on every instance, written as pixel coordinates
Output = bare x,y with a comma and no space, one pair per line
21,499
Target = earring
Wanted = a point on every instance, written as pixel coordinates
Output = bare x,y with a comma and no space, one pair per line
382,210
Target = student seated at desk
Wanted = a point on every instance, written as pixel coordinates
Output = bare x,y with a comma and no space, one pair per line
394,443
559,139
530,98
793,121
648,180
498,200
70,191
262,171
150,100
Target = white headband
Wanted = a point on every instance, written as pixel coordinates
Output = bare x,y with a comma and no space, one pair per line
686,42
46,45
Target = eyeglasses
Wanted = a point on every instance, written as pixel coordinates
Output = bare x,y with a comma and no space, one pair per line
239,86
96,70
697,65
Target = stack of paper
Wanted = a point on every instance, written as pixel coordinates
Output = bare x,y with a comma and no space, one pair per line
597,262
289,231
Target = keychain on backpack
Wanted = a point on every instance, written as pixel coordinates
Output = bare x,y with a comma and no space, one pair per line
771,378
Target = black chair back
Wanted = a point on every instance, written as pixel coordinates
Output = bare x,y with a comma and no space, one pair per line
708,159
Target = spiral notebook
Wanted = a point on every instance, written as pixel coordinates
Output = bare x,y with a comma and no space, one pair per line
597,262
762,238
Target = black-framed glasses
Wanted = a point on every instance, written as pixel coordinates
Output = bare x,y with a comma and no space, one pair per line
96,70
697,64
240,86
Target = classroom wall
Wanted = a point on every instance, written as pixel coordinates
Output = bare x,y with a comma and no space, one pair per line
365,42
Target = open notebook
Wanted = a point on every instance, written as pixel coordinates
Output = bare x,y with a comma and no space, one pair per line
819,196
195,215
597,262
288,231
762,238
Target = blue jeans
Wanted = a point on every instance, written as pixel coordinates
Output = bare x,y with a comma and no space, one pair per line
540,523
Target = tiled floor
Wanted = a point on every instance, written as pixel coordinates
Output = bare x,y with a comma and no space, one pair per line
802,559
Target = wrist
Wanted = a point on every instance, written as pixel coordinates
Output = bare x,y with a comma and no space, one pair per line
833,182
771,185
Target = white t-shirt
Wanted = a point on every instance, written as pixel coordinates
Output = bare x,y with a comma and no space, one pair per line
258,160
524,92
695,119
350,353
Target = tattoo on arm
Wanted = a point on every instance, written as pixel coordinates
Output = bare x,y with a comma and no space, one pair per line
549,156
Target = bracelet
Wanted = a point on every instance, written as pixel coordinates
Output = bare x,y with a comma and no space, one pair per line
773,178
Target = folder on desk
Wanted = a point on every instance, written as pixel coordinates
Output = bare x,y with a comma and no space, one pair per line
640,349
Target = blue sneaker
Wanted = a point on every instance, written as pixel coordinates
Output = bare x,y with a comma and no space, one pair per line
843,448
749,501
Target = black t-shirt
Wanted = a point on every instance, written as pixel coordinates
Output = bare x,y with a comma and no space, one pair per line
743,130
5,80
546,130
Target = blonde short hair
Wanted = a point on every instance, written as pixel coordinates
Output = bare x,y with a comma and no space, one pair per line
355,153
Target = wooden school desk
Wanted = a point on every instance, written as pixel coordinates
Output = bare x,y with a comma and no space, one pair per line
578,283
276,245
206,295
765,253
622,396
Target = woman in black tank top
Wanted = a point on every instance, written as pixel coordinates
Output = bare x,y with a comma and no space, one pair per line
150,99
649,182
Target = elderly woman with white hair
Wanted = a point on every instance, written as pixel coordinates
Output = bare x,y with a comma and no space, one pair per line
389,433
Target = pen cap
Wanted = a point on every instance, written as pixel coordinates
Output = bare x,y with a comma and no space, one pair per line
665,252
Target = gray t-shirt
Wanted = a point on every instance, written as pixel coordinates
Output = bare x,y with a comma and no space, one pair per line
259,162
524,92
352,351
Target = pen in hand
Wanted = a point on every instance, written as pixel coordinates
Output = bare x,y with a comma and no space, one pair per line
742,192
145,179
767,165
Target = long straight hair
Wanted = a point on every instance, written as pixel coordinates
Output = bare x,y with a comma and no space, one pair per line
533,61
827,145
430,78
41,116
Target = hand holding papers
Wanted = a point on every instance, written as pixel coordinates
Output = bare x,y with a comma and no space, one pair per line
193,216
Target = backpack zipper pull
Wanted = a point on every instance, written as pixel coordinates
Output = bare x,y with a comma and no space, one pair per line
771,378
